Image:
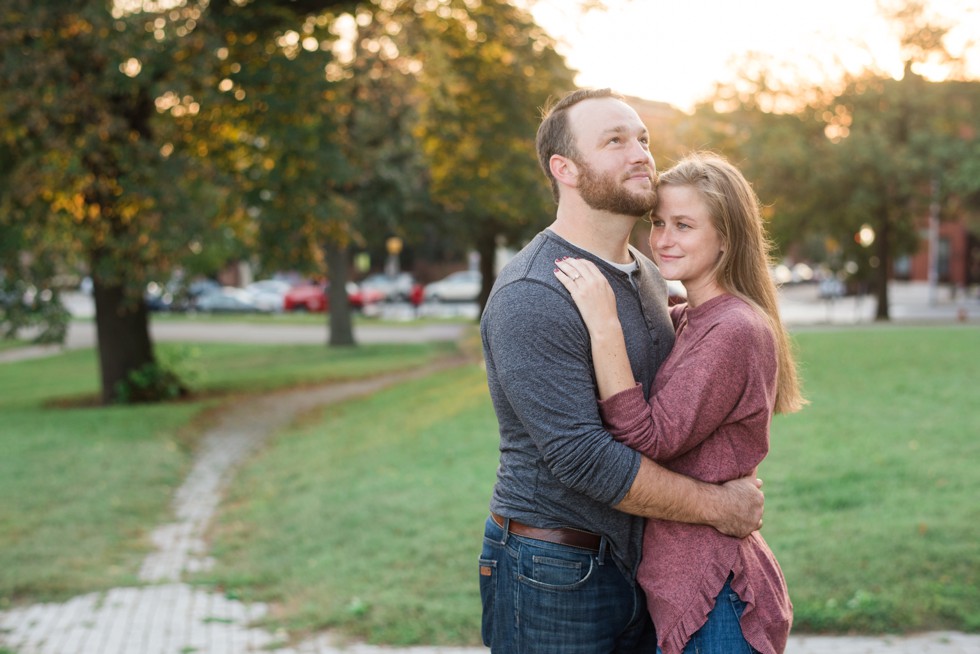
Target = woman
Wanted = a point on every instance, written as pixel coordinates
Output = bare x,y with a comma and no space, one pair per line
710,405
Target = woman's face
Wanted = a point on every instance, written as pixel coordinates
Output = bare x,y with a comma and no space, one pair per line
685,243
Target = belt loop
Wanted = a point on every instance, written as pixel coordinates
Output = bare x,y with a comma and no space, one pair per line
602,550
506,529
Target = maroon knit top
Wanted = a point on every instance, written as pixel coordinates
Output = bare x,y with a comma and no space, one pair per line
708,418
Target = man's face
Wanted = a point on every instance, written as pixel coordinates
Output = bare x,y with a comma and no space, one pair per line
616,172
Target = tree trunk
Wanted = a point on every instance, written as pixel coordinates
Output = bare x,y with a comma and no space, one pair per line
341,327
123,334
882,246
486,246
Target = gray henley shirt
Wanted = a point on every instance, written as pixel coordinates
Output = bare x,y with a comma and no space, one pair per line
558,466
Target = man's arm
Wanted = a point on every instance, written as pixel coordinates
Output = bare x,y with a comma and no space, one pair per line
734,508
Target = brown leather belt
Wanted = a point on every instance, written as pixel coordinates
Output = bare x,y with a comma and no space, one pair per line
564,536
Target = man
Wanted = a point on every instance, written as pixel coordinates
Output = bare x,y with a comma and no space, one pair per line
562,543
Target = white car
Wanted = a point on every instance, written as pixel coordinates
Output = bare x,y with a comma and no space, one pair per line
462,286
269,294
228,299
393,287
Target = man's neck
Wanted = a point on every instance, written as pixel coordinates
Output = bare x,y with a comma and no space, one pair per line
604,234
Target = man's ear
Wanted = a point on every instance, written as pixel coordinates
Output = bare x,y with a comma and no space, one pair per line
564,170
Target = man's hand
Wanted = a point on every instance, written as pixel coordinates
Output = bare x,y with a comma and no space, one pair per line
740,504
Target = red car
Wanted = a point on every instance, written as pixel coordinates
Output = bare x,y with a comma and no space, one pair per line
314,298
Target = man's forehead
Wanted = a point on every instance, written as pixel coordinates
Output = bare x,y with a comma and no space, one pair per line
597,116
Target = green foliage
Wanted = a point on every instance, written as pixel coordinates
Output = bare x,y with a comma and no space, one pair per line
487,80
153,382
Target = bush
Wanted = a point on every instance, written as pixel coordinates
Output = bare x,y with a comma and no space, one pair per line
153,382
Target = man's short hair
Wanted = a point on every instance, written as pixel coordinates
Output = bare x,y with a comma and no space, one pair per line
555,135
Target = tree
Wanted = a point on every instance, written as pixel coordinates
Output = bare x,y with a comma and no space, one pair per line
895,146
865,155
486,73
283,151
92,180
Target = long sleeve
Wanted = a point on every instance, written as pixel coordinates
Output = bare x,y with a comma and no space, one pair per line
721,369
548,383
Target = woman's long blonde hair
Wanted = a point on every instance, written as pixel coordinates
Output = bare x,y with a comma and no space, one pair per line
743,267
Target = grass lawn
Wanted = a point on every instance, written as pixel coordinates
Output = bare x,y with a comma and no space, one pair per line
367,516
872,503
83,485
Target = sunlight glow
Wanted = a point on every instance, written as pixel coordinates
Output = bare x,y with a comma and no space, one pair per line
676,52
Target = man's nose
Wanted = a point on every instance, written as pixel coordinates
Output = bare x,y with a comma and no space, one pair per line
640,153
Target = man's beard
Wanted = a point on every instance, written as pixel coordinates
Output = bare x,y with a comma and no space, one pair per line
605,193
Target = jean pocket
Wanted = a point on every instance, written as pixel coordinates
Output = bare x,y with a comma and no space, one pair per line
488,591
558,573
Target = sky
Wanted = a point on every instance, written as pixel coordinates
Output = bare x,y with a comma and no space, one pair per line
674,51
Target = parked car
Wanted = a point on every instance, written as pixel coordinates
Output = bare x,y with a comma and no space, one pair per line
176,295
394,288
305,297
315,298
832,287
360,297
461,286
228,299
270,294
158,297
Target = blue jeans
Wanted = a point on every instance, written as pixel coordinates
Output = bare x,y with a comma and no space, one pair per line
543,598
722,633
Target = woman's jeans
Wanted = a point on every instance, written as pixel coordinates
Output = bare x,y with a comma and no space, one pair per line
722,633
544,598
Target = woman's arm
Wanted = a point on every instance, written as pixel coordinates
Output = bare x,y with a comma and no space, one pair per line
596,301
716,371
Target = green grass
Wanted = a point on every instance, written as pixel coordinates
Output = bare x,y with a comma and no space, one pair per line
11,344
369,520
82,485
872,503
367,516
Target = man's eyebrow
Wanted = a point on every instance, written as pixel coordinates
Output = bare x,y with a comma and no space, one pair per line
616,129
622,129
